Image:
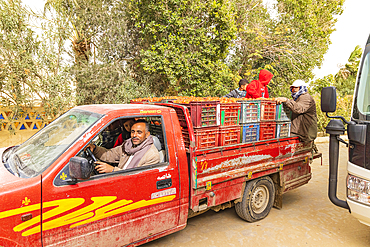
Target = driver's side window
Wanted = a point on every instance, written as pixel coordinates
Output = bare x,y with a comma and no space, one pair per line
130,143
113,150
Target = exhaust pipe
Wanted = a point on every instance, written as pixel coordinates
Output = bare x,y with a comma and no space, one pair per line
335,128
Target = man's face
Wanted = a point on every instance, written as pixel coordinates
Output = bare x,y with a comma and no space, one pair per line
294,89
128,125
243,87
138,133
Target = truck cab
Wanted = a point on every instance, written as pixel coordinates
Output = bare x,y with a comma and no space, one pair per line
98,209
358,129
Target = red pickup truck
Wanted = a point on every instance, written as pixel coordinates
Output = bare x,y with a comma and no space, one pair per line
50,196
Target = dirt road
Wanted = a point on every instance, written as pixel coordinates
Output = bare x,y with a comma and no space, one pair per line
307,218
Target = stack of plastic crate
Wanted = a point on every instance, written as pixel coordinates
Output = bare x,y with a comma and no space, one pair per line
282,122
229,131
205,118
267,120
249,120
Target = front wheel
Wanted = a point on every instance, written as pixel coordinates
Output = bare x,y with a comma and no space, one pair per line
258,199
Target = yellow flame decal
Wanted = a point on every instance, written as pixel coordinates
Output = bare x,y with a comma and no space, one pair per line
101,213
101,207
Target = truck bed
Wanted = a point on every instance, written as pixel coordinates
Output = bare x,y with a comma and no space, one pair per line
218,174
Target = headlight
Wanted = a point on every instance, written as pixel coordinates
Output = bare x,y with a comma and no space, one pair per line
358,189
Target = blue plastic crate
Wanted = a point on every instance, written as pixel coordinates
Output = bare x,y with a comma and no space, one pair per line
250,132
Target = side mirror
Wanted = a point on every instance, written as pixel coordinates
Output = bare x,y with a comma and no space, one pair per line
79,168
328,99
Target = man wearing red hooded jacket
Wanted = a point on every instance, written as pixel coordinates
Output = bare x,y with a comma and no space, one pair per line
258,88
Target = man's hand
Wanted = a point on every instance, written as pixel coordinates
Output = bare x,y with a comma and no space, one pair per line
91,146
102,167
280,100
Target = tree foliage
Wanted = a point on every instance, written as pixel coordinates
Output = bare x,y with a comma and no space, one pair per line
103,48
183,44
120,50
345,79
32,67
289,42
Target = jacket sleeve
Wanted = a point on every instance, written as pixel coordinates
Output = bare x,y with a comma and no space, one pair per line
112,155
267,93
230,95
301,106
287,111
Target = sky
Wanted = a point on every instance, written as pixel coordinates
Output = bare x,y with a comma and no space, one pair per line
351,30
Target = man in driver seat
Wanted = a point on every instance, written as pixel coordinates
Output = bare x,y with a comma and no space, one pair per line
137,151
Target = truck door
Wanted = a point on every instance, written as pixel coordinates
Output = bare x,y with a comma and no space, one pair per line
115,208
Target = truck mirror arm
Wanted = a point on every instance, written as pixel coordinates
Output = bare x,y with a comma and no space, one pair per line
342,141
335,128
340,117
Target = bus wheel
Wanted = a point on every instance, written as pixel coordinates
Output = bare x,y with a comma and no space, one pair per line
258,199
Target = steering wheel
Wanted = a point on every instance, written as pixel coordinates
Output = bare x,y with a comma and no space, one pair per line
92,160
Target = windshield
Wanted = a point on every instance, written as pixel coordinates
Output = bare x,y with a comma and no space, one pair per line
35,155
363,91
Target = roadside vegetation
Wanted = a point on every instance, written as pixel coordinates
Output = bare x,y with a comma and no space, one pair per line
344,81
76,52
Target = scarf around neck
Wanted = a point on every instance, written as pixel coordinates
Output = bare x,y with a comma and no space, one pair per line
241,93
302,90
138,151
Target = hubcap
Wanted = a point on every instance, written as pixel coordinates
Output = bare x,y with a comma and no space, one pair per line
260,198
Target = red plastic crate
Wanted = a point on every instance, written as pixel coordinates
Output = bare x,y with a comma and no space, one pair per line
230,114
268,110
267,130
203,113
206,137
229,135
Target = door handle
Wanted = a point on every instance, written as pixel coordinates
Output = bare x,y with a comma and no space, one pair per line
165,183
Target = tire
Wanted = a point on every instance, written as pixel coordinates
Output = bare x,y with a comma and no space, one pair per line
258,199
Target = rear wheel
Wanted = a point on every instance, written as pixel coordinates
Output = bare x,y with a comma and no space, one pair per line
258,199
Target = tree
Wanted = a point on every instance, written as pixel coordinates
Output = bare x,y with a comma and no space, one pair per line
31,68
345,79
127,49
103,48
184,44
290,44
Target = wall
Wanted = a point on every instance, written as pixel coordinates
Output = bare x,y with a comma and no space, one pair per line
17,128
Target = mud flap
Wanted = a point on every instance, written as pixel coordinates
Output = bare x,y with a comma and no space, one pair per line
278,202
241,195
